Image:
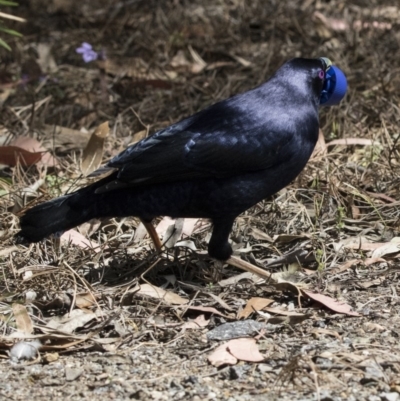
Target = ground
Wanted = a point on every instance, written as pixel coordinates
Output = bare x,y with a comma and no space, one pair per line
117,321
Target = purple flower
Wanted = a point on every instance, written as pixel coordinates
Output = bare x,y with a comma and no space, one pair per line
88,54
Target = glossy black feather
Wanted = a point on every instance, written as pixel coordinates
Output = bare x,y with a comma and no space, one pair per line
214,164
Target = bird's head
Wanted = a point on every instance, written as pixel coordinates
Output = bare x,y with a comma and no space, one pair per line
327,82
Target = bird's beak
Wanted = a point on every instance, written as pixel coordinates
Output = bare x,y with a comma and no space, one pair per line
327,62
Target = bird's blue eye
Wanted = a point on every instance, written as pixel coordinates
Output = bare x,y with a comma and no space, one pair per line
321,74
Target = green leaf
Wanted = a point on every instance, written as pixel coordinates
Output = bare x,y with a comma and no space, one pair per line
10,31
8,3
4,44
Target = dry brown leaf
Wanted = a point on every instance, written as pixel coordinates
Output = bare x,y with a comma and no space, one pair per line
260,235
22,319
220,356
253,305
64,138
370,261
358,243
196,324
32,145
341,268
138,136
84,301
244,349
208,309
93,152
78,239
390,247
372,283
286,238
158,293
12,155
331,303
71,321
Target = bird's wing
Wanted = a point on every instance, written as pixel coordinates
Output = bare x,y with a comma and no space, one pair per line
204,146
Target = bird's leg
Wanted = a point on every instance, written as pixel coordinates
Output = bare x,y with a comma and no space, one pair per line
153,234
219,247
218,244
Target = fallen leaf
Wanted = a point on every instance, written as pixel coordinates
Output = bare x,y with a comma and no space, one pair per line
331,303
286,238
64,138
34,147
253,305
22,319
138,136
370,261
158,293
368,284
208,309
93,152
196,324
73,320
84,301
12,155
78,239
341,268
390,247
220,356
357,243
260,235
244,349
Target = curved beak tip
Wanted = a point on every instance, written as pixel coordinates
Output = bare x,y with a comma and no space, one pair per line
327,62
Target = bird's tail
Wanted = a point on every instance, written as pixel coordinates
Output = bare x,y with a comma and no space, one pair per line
60,214
48,218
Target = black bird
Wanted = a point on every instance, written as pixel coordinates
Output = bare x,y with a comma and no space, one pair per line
214,164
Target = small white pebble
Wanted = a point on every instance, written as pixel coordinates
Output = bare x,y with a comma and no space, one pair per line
30,295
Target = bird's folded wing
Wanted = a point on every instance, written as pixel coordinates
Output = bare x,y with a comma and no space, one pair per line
170,156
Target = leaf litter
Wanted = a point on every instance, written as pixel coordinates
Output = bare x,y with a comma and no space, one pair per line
326,246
